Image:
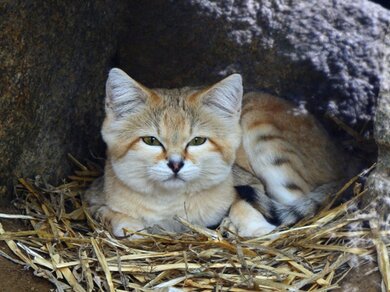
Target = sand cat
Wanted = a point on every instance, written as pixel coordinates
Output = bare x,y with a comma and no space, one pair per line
207,153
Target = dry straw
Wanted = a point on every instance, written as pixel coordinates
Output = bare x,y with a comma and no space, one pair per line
67,247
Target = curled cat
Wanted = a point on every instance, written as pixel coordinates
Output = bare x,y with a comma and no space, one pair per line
207,153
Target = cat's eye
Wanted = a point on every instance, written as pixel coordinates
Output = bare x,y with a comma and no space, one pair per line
197,141
150,140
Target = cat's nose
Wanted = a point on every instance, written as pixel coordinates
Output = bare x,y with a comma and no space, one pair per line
175,165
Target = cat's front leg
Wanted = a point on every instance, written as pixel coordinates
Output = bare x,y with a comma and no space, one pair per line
118,223
247,221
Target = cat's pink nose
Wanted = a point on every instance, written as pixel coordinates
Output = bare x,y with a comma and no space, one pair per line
175,165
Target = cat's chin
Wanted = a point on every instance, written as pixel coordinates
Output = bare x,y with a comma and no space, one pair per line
173,183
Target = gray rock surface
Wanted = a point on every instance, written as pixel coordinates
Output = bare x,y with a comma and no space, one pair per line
379,181
326,54
341,39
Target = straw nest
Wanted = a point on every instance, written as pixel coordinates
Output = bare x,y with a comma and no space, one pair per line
73,251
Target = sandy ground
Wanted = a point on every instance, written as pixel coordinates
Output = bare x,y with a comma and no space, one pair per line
14,277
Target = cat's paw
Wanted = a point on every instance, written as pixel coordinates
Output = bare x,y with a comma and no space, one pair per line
248,221
227,228
251,229
126,226
255,229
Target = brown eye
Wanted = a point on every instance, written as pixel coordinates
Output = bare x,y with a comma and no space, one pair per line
152,141
197,141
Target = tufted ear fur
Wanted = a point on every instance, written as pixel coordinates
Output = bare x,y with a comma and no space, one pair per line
225,97
124,95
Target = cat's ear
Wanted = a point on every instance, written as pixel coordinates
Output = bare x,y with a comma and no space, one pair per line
225,97
124,95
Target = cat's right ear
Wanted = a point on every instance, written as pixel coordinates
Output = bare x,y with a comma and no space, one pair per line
124,95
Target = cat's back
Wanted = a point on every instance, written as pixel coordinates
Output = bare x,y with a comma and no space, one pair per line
278,134
274,115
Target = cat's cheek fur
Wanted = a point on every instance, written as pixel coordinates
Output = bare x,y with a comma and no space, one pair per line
214,169
212,161
131,168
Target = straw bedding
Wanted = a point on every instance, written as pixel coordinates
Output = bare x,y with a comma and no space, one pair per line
67,247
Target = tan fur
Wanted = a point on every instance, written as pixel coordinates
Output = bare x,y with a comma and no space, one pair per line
271,138
293,138
137,207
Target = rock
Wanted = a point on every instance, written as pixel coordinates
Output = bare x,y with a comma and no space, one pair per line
379,181
325,54
54,59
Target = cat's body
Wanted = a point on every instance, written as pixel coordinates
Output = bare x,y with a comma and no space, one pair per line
171,152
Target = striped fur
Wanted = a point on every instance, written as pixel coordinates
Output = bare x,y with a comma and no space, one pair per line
281,162
292,156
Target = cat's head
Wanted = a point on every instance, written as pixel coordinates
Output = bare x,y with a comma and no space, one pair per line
162,140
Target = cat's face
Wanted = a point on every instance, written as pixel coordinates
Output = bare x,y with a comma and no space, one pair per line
171,140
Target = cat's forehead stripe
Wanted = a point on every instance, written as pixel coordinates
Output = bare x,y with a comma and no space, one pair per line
174,125
174,115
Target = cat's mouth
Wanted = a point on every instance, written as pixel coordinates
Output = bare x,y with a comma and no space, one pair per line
173,182
174,178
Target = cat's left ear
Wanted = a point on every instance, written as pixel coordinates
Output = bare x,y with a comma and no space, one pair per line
225,97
